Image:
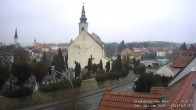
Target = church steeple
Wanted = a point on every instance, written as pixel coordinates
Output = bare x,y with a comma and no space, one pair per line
16,35
83,16
16,38
83,25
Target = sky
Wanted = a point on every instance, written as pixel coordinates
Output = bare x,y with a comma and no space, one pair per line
56,21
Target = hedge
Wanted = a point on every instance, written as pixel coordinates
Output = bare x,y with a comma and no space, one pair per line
111,75
101,77
17,93
60,85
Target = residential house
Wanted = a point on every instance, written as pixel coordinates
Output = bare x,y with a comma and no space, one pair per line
179,95
173,69
126,52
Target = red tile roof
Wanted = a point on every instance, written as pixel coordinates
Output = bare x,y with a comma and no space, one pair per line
182,62
181,93
179,96
126,50
122,101
157,90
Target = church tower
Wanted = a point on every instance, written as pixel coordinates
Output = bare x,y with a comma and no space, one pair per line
16,38
83,25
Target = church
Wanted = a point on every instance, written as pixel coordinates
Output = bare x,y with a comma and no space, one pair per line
86,46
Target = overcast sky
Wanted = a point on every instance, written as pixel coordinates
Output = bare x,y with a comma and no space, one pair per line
113,20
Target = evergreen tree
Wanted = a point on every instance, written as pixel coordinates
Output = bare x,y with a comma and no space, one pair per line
121,46
4,73
40,70
134,62
66,61
118,63
107,66
137,62
192,47
183,46
89,65
59,61
113,66
100,65
94,68
77,69
22,71
44,58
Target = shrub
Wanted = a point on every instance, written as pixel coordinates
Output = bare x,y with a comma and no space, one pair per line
147,80
113,75
60,85
124,73
20,92
76,82
139,69
55,86
101,77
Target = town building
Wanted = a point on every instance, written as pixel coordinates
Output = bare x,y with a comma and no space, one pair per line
86,46
179,95
173,68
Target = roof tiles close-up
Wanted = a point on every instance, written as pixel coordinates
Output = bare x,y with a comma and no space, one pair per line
182,62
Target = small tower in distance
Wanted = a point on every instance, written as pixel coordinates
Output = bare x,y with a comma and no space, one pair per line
34,43
83,25
16,39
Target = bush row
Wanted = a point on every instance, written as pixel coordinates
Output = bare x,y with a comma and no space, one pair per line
147,80
111,75
60,85
20,92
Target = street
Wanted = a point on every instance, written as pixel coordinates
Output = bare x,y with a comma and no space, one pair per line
91,102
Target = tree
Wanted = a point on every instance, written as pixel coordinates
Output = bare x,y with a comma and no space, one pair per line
137,62
126,63
20,55
89,64
118,63
100,65
59,61
141,69
111,49
4,73
94,68
134,62
22,71
147,80
113,66
40,70
66,61
77,69
44,57
192,47
107,66
183,46
121,46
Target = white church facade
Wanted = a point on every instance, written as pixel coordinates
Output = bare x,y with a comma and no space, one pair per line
86,46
